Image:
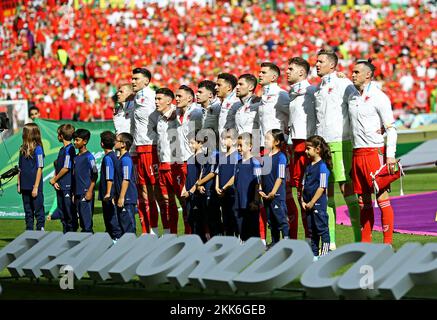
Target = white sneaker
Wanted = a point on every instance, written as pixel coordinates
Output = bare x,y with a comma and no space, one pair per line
315,259
332,246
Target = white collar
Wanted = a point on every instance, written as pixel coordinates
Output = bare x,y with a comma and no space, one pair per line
271,88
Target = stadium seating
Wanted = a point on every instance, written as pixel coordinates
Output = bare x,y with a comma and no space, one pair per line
69,61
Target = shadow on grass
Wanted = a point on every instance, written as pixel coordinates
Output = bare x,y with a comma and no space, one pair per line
25,289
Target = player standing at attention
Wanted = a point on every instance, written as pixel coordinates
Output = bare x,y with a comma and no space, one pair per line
246,116
170,171
333,97
368,115
302,125
189,116
124,108
123,122
275,101
206,98
314,200
145,138
225,86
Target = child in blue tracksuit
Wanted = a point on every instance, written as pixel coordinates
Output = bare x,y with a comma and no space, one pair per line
194,215
247,179
126,194
205,186
62,181
85,176
223,185
30,184
273,185
106,186
314,194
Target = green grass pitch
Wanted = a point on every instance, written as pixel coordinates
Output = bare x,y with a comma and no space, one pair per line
414,182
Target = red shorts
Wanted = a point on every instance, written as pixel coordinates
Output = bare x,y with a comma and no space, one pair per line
300,161
147,165
172,178
364,162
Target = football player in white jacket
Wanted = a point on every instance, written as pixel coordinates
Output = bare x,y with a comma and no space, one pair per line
333,97
302,125
371,113
225,87
145,138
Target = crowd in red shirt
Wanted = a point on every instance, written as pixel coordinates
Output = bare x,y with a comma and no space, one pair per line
104,45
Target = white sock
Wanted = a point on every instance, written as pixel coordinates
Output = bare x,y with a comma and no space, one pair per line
264,241
154,231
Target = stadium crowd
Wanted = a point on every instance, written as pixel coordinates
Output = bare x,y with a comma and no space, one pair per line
69,62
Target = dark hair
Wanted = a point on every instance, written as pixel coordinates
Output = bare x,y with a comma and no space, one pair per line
66,130
107,138
188,90
368,63
165,91
229,78
246,137
33,108
301,63
250,78
272,67
277,135
143,71
208,85
229,131
325,151
127,139
202,135
330,54
83,134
